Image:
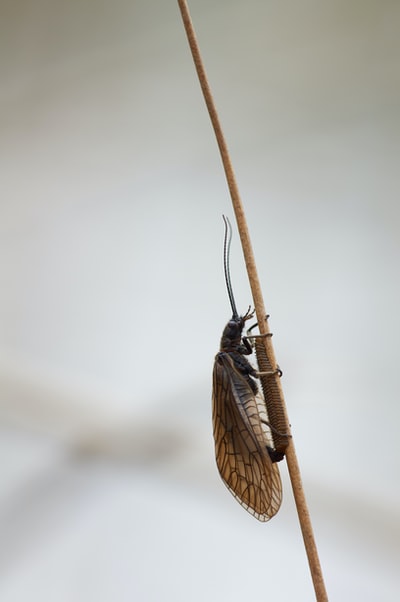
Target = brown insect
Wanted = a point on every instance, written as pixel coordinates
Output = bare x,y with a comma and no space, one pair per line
245,457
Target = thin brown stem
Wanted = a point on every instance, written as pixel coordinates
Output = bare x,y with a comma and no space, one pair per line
291,458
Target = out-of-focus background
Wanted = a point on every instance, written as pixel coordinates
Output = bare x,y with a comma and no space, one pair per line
113,298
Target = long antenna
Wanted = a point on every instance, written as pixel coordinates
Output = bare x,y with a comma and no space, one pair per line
227,247
291,457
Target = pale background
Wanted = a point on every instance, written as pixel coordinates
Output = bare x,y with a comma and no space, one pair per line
113,299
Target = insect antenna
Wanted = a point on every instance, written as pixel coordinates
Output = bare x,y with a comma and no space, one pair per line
227,246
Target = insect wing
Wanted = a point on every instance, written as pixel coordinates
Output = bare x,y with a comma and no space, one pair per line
241,443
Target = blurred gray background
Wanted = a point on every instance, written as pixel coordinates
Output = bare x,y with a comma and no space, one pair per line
113,298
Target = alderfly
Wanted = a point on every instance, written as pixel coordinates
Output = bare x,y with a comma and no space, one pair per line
245,456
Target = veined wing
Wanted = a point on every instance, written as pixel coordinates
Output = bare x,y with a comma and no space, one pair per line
241,442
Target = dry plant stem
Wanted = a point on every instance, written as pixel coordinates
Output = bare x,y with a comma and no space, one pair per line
291,458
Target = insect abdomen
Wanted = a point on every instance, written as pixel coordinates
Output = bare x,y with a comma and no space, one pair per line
276,416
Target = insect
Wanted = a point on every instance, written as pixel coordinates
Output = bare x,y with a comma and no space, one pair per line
245,457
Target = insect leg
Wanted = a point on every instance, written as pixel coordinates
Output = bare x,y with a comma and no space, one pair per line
274,430
255,325
277,371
